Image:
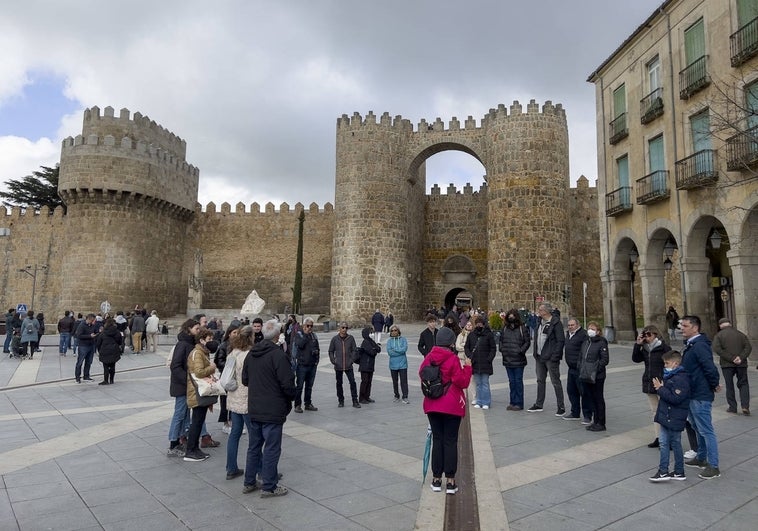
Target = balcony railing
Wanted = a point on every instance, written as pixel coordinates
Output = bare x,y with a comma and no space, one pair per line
651,106
618,129
699,169
653,187
744,42
693,78
742,150
618,201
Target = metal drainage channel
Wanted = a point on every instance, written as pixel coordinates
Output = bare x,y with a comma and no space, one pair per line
462,510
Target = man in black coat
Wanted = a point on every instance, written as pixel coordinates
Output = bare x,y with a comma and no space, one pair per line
548,351
429,334
271,388
575,338
308,354
342,353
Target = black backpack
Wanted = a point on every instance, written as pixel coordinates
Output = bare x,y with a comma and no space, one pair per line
431,381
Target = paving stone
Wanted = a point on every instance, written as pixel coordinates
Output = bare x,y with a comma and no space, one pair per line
62,520
387,519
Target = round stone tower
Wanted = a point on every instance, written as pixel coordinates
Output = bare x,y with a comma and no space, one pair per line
528,222
130,197
379,215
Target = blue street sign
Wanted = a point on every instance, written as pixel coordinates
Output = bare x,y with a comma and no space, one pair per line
21,308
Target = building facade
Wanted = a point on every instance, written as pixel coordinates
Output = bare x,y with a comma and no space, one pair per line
677,117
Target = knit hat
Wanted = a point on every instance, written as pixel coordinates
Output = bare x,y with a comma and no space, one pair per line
445,337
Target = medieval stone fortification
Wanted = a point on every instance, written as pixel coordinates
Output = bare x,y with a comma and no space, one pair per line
135,234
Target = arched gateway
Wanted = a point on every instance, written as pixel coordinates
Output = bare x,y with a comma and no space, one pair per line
391,241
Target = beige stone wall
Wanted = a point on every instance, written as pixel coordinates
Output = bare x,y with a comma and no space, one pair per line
585,256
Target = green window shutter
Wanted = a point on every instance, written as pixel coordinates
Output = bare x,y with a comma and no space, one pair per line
747,10
655,148
701,131
694,42
622,166
619,101
654,73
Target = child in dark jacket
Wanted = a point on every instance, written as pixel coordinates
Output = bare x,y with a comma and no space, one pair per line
673,407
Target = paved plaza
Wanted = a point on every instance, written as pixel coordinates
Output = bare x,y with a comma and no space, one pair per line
83,456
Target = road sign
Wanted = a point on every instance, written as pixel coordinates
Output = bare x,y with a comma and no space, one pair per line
539,298
21,308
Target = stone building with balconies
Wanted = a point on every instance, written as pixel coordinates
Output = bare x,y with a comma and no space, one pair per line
677,142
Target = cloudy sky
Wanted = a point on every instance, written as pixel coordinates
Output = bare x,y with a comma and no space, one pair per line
255,87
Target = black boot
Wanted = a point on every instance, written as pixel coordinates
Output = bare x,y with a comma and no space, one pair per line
356,404
104,382
654,444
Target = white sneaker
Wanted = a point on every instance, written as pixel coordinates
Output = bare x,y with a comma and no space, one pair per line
473,402
690,454
485,407
226,429
477,406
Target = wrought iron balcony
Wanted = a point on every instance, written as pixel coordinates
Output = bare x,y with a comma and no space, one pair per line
744,42
699,169
653,187
618,201
693,78
618,129
651,106
742,150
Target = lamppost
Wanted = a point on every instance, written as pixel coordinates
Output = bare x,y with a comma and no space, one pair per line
32,272
633,257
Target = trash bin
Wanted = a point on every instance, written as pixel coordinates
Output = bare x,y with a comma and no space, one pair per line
326,326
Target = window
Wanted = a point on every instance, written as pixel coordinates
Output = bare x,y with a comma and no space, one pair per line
655,152
751,104
701,131
622,169
694,42
747,10
654,73
619,101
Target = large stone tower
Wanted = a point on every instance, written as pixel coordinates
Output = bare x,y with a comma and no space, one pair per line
130,196
379,258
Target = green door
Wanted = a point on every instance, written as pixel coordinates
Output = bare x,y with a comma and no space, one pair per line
701,141
622,167
657,164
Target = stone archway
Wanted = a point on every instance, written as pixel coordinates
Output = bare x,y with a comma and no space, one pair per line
743,260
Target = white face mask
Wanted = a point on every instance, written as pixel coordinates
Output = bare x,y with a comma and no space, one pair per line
591,332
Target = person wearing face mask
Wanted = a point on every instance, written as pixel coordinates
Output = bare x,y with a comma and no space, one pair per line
514,344
595,355
649,349
480,348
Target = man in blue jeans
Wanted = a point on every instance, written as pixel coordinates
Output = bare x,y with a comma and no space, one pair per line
308,353
66,327
271,388
8,330
85,333
697,360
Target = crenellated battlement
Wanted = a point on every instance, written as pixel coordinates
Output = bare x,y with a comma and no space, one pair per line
139,128
127,148
401,124
22,212
453,190
255,209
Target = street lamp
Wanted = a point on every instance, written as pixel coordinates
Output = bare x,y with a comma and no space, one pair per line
668,252
32,272
715,238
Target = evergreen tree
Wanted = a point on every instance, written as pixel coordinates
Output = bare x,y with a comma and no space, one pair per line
298,290
34,191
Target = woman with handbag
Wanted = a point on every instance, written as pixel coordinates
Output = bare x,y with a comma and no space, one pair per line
199,366
220,360
240,343
594,358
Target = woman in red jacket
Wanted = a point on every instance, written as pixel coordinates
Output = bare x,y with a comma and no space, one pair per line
445,413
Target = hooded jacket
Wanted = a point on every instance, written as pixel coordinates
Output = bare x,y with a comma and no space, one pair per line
674,404
108,345
480,347
184,345
397,347
270,383
199,364
369,350
453,402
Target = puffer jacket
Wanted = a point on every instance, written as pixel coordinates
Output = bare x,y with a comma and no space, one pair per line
108,345
182,349
595,349
29,330
673,407
480,347
236,400
573,348
653,361
369,350
397,347
198,364
514,344
453,402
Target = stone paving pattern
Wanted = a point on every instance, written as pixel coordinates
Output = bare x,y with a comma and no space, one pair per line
93,457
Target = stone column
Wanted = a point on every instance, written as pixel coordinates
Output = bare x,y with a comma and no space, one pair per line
653,295
620,290
697,285
745,278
